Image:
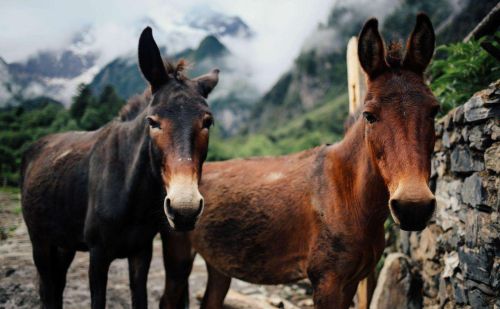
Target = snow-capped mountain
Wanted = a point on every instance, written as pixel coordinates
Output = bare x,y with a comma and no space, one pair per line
51,73
57,73
217,23
8,87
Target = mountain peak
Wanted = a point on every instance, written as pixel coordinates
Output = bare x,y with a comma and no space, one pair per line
217,23
210,46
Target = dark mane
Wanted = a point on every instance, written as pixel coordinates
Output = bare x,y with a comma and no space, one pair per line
137,103
393,55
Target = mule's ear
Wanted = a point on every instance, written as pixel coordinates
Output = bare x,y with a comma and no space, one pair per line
150,61
206,83
371,49
420,45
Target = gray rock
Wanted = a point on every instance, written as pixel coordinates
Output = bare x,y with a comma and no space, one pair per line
477,300
465,133
448,122
473,192
446,139
491,95
439,164
463,160
438,128
404,242
481,231
475,110
476,264
445,218
492,157
451,262
443,292
495,132
459,292
448,189
495,274
397,286
455,137
477,139
491,128
458,115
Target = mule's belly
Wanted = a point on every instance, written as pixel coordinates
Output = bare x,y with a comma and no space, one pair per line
55,211
253,243
268,269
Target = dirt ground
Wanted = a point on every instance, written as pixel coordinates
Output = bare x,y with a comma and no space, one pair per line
18,278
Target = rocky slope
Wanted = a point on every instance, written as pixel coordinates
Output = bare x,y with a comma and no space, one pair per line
319,72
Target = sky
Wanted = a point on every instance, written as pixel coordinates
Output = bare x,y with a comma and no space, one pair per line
280,26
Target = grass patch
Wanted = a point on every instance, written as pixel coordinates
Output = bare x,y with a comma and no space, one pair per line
10,190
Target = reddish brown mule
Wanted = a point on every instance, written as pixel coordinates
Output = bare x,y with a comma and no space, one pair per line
320,213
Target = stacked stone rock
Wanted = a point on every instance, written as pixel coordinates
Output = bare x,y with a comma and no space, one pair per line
457,258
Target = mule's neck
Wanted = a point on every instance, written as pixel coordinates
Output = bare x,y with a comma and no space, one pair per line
141,171
359,190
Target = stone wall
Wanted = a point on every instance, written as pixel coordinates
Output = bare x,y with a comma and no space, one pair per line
457,258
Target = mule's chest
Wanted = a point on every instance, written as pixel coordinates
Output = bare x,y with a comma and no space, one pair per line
132,239
350,254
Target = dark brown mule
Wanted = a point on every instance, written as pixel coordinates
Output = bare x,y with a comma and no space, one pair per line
104,191
320,213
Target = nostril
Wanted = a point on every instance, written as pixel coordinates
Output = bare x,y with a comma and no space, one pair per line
200,208
168,206
432,205
395,206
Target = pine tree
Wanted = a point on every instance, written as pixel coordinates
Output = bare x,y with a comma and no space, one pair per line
81,101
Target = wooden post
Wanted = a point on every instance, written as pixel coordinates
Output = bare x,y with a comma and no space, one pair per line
356,83
355,76
487,26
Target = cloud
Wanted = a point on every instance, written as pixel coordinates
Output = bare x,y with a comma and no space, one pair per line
280,27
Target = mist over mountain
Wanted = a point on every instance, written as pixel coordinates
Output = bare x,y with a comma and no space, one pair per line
230,100
216,23
319,73
100,52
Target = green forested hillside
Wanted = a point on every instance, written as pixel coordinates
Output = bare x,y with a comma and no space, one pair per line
318,126
34,118
314,86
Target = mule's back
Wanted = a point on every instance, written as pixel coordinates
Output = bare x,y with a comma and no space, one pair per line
54,185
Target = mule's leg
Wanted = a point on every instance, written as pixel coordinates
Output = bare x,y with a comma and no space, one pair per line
98,277
42,256
178,259
217,287
138,267
61,261
333,292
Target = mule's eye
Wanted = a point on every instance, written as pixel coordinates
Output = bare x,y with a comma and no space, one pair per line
153,123
369,117
208,121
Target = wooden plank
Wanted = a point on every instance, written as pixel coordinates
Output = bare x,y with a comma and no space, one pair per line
356,82
489,25
365,291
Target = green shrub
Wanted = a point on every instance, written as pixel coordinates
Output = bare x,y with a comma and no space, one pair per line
461,69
